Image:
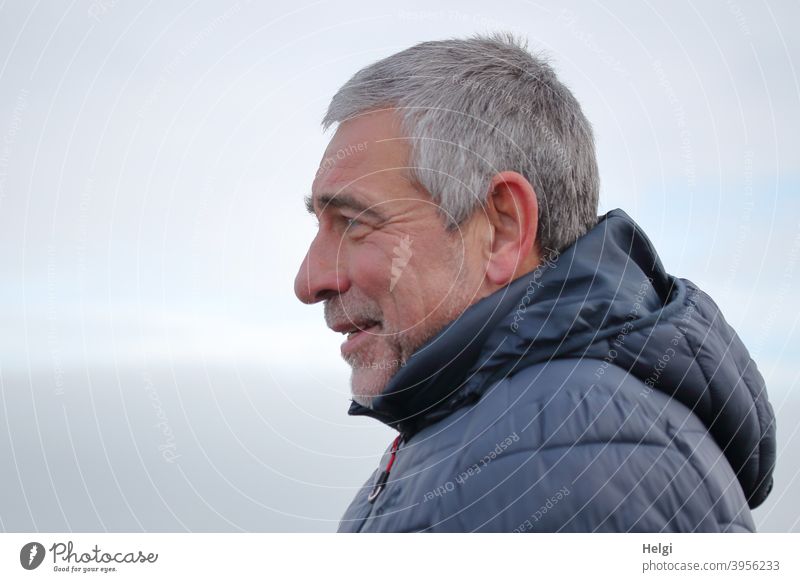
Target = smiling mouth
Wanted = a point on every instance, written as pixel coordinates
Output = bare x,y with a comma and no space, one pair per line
358,334
361,328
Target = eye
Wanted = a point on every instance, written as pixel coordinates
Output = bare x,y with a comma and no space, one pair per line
351,222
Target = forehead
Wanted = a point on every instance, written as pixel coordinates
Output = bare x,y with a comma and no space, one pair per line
369,150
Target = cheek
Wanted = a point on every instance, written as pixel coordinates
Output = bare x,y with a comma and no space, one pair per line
435,264
370,269
442,277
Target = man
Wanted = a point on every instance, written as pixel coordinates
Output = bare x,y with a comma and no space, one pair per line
542,369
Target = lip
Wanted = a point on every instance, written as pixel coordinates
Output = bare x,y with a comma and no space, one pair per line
351,344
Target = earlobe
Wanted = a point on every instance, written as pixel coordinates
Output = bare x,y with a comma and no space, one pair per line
512,211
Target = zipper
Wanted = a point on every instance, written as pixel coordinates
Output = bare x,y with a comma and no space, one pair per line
380,485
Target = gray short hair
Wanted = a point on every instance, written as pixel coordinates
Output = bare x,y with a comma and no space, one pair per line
478,106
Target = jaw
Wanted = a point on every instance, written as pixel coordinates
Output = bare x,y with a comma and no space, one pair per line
368,382
405,331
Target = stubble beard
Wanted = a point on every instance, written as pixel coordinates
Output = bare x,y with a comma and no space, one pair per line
387,353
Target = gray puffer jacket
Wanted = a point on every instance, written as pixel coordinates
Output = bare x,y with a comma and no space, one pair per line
596,393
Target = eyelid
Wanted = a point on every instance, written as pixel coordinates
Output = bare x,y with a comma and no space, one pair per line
358,218
349,219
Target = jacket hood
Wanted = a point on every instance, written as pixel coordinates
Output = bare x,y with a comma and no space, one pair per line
607,297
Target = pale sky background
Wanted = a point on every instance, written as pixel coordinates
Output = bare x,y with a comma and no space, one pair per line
157,372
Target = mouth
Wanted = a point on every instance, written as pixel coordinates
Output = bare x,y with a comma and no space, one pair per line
357,333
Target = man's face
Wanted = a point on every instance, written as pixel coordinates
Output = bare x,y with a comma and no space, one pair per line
388,270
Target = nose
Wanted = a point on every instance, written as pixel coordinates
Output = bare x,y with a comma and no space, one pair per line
322,274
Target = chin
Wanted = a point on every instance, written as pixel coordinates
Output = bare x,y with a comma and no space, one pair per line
367,383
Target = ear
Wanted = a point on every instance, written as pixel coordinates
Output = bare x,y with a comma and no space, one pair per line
513,214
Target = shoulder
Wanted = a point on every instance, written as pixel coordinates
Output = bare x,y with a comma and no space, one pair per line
557,448
567,402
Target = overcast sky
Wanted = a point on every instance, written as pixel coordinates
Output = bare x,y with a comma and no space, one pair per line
153,160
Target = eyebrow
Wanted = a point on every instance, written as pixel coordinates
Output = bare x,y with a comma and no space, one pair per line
342,201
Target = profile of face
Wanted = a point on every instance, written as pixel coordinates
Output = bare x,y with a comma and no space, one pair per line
390,273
